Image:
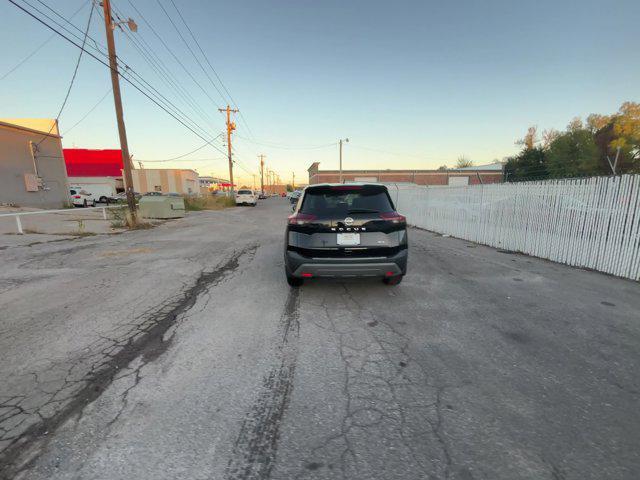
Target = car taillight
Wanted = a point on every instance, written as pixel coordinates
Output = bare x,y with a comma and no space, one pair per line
394,217
77,196
301,218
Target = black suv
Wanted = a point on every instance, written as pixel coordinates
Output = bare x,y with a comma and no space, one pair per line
345,230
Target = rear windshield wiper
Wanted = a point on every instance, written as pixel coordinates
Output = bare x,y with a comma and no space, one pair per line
363,210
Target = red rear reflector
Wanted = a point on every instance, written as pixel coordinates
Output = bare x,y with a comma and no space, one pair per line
300,218
394,217
77,196
389,274
307,275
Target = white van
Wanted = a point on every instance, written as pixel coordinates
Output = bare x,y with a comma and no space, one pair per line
101,192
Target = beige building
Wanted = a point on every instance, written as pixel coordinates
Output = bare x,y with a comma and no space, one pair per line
166,180
32,169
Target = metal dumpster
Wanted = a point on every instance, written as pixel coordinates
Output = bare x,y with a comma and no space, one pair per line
161,206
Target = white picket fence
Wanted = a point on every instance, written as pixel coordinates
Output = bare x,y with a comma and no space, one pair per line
591,222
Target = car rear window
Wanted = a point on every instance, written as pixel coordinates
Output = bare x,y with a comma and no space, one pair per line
346,199
245,192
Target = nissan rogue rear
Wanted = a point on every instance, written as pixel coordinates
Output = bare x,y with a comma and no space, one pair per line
345,230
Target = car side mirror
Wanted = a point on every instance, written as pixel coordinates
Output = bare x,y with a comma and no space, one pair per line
293,207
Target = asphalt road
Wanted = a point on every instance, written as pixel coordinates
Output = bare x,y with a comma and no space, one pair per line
181,353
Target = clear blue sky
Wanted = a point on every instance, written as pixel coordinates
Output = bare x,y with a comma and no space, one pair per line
426,80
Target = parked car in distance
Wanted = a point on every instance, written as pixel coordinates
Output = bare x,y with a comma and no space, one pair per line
246,197
261,196
339,230
153,194
283,194
122,196
81,198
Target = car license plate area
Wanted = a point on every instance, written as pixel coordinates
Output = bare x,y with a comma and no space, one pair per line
348,239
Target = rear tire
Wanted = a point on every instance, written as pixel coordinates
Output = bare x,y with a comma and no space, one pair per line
393,280
84,204
294,281
104,199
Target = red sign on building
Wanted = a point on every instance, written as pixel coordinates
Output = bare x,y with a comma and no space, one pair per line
82,162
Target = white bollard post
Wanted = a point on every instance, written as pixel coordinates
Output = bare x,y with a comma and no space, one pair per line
19,223
104,213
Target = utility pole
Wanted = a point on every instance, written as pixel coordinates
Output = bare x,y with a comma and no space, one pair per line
293,181
254,181
261,156
346,140
268,180
231,126
115,83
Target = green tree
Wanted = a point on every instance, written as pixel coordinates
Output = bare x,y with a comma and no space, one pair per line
618,131
573,153
289,187
530,163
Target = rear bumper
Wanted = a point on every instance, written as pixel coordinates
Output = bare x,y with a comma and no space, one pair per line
297,264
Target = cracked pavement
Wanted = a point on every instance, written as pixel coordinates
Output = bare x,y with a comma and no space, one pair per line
180,352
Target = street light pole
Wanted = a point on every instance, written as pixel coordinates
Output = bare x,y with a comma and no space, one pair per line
262,173
346,140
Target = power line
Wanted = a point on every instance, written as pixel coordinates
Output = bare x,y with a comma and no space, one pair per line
37,49
187,71
128,69
73,77
161,65
157,94
96,44
204,55
90,110
184,160
127,79
188,153
196,58
62,26
156,63
189,48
